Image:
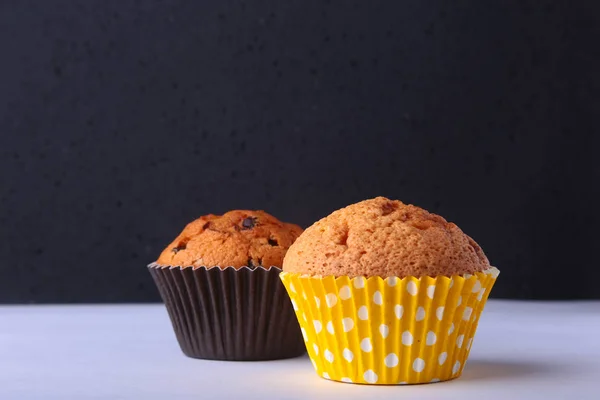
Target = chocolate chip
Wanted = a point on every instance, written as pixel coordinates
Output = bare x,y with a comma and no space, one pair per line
180,246
249,223
388,207
273,242
251,264
206,225
422,224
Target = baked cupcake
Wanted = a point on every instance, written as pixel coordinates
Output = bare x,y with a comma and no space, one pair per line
387,293
220,282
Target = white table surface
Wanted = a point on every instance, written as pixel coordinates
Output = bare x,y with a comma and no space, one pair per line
523,350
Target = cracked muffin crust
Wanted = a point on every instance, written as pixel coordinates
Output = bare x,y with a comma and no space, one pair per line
237,238
383,237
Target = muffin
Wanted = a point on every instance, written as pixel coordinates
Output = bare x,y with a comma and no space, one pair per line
220,283
387,293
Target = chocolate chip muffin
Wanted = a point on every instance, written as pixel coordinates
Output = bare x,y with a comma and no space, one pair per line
237,238
387,293
220,283
383,237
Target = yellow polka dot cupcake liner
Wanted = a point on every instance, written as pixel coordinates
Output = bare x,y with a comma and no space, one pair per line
389,331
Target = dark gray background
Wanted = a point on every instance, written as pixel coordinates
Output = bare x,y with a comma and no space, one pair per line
121,121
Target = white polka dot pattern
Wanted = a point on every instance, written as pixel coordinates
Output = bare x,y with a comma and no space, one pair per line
481,293
431,338
363,313
391,360
384,330
398,310
442,358
347,324
420,316
439,313
348,355
345,293
318,326
451,329
412,288
377,298
329,356
331,300
430,291
467,313
387,331
365,345
370,376
418,365
407,338
330,327
359,282
456,368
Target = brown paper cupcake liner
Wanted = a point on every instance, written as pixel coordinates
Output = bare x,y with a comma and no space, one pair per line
228,314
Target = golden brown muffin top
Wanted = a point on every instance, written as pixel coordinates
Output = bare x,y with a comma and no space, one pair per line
237,238
383,237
